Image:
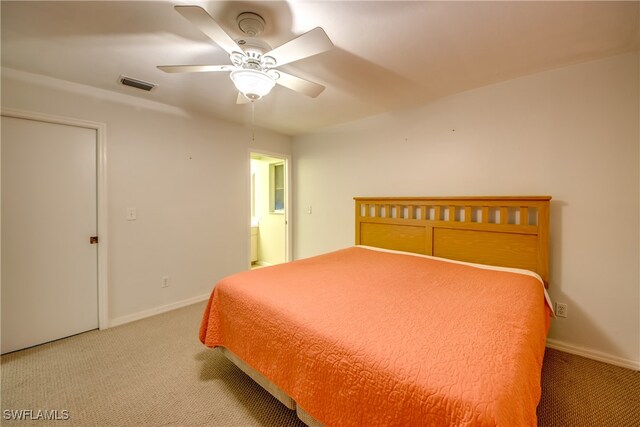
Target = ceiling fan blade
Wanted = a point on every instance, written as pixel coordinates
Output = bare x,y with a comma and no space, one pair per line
242,99
298,84
308,44
205,23
194,68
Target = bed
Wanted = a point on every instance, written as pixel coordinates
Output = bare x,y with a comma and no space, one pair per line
438,316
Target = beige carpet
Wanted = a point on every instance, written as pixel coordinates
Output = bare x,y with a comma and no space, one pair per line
582,392
155,372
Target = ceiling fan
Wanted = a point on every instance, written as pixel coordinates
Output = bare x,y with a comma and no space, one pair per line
253,61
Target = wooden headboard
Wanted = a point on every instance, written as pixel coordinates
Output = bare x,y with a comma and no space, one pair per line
503,231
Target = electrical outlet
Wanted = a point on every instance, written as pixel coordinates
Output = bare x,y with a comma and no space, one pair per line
165,282
561,309
132,214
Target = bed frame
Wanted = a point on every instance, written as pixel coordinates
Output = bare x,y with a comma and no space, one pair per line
504,231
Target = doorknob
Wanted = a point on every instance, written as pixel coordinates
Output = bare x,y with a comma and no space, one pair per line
93,240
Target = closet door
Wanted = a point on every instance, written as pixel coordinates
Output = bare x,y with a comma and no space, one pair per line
49,213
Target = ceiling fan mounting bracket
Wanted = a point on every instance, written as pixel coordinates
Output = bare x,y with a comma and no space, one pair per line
250,23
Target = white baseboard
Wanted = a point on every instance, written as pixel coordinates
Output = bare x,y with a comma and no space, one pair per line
593,354
158,310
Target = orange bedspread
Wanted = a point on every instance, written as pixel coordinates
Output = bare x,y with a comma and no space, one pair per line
360,337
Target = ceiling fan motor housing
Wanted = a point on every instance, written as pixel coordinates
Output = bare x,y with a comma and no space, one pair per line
252,55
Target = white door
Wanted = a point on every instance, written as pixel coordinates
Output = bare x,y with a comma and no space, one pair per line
49,268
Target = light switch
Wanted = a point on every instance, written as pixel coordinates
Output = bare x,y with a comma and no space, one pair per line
309,210
131,214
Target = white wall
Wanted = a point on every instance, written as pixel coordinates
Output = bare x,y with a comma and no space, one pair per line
187,175
572,133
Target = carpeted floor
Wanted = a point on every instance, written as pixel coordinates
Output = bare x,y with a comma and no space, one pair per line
582,392
155,372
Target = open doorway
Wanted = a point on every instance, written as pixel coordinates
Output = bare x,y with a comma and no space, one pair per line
269,209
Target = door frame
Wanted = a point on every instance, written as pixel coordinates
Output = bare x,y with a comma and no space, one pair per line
288,198
101,195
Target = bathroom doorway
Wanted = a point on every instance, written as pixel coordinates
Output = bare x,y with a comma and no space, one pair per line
269,209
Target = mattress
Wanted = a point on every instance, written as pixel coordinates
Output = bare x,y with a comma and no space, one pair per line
365,337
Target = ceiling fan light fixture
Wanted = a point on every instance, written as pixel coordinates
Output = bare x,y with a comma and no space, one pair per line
253,84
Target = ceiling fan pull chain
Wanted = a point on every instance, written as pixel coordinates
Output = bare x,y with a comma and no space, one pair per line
253,121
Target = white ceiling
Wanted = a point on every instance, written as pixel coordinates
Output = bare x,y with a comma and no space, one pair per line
388,55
